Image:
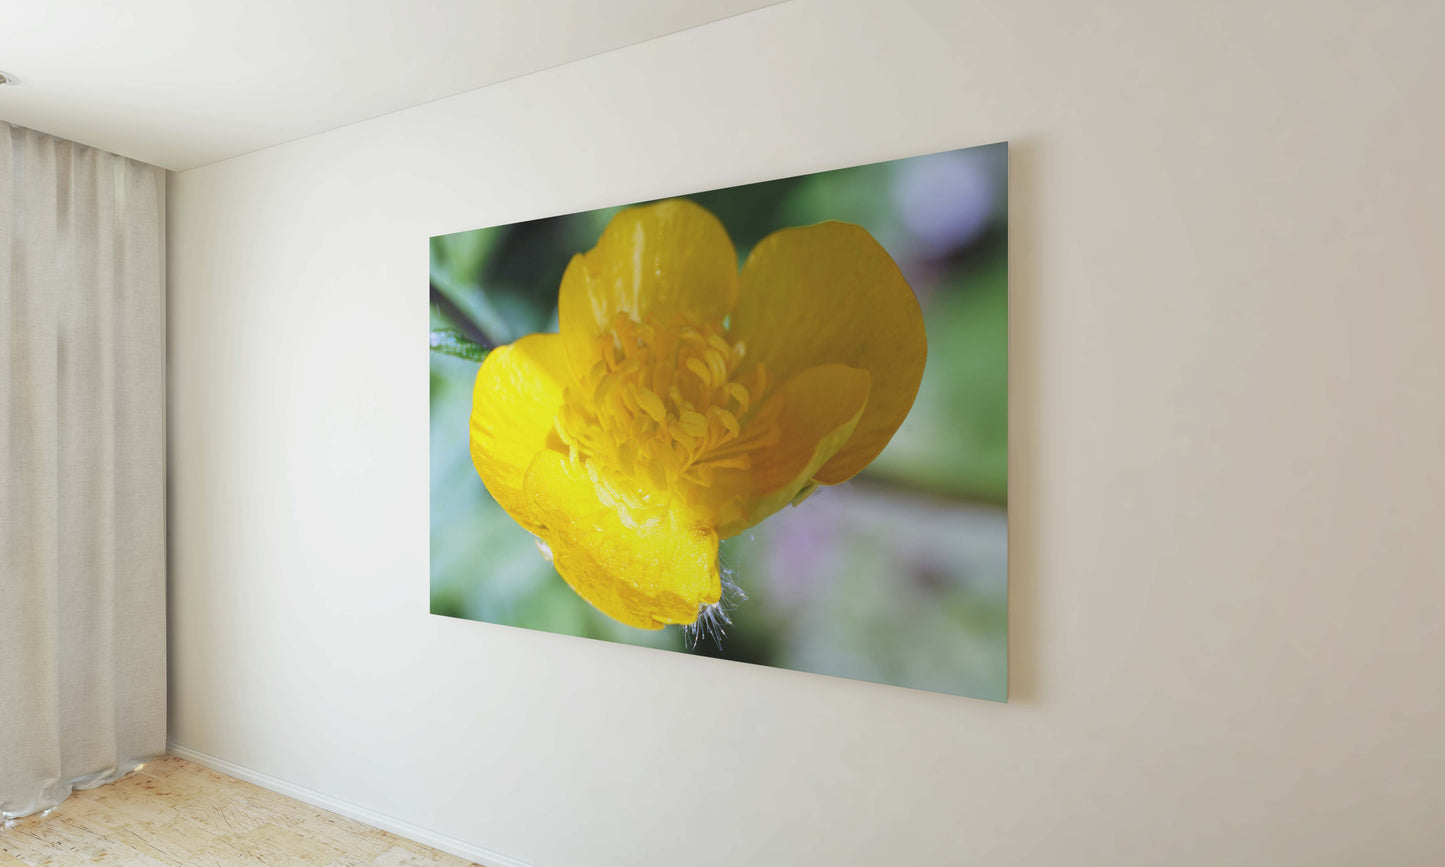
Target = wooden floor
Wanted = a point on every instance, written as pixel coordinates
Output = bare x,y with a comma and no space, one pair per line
173,812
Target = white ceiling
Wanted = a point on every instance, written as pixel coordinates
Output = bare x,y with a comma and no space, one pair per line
182,83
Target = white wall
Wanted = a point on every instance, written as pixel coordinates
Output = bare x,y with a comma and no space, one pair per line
1228,597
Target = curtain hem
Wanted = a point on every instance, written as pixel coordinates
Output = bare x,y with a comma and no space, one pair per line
52,793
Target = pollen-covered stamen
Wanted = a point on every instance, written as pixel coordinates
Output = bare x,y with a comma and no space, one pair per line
663,401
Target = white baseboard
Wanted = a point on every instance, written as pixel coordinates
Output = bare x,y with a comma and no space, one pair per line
450,845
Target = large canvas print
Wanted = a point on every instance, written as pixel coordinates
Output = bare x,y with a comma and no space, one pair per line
767,423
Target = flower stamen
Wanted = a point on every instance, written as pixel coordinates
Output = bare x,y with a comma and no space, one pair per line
638,418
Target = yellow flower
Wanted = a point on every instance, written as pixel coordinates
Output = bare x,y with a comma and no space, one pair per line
684,402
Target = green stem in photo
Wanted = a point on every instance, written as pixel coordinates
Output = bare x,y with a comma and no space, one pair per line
455,343
469,307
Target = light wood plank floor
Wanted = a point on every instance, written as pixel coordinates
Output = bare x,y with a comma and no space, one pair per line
172,812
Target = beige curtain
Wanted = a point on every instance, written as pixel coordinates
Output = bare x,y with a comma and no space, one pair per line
82,467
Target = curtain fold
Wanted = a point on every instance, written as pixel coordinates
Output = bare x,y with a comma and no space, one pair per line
82,467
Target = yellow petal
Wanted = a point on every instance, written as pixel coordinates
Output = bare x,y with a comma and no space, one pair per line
652,262
831,294
515,402
646,571
817,411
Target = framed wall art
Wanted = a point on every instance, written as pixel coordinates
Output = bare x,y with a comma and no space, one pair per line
767,423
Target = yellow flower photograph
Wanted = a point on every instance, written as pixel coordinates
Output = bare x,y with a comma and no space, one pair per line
766,423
